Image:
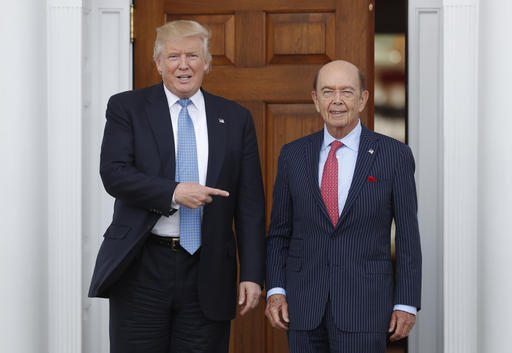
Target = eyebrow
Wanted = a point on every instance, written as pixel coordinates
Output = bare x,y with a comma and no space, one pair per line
341,88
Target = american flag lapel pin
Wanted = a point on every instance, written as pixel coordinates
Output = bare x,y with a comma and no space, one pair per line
370,151
221,120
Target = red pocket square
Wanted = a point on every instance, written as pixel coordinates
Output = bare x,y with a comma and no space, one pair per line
372,179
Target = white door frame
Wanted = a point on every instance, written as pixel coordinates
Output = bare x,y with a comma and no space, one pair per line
442,97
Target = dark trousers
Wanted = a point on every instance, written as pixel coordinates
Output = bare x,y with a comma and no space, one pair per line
154,308
327,338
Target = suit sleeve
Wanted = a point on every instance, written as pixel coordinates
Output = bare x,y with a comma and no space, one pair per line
280,227
250,209
407,238
118,166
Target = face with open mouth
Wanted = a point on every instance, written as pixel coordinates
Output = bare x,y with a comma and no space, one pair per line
182,65
338,97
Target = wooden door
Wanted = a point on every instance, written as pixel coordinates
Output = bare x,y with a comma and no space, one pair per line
265,56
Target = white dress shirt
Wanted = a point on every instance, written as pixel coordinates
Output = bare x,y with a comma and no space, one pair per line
347,157
170,226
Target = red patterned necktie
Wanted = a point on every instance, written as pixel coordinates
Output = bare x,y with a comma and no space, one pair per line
329,186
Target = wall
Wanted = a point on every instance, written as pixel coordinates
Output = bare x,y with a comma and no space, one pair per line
443,117
23,209
494,177
460,62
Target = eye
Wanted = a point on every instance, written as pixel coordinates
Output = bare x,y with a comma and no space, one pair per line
328,93
173,57
347,93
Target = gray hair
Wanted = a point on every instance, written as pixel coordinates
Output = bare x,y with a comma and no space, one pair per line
182,29
360,76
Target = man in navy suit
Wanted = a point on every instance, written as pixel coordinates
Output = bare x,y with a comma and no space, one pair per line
184,169
331,280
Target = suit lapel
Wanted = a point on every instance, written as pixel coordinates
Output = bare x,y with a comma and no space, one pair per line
365,158
159,119
312,159
216,124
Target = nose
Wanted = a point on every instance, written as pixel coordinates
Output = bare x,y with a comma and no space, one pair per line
337,98
183,63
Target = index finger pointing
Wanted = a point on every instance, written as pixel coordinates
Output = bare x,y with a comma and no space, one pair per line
217,192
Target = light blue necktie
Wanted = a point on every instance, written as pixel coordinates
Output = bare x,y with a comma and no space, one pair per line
186,171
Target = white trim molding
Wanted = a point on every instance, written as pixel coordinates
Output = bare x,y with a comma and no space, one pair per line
494,170
108,70
443,130
426,141
64,65
460,124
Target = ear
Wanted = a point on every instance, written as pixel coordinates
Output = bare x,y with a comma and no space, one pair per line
158,64
363,100
315,100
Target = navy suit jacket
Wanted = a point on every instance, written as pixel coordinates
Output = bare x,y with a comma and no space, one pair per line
349,264
138,169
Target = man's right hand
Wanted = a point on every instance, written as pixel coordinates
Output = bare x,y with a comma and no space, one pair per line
277,311
194,195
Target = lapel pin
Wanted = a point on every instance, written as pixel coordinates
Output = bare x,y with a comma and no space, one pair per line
370,151
221,120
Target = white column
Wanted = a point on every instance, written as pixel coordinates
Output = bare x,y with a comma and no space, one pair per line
64,42
460,176
495,176
426,141
23,241
443,81
107,70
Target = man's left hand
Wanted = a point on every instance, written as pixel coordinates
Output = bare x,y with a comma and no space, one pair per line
401,324
249,296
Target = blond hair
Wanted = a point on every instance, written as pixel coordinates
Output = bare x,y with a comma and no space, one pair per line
182,29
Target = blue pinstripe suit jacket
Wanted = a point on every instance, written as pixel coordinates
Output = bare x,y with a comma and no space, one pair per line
350,264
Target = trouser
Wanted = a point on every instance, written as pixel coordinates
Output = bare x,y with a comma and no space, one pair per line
155,307
327,338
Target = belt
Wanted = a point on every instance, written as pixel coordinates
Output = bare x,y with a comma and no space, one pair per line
171,242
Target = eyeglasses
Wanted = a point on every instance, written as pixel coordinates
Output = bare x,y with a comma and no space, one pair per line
346,93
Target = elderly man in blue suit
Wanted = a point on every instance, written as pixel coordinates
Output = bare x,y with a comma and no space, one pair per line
184,168
331,280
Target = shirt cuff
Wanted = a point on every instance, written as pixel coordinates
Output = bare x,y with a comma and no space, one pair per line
174,205
406,308
276,290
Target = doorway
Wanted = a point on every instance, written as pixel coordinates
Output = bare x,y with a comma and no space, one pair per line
258,49
391,83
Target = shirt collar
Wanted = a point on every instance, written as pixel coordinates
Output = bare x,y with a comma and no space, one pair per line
351,141
197,99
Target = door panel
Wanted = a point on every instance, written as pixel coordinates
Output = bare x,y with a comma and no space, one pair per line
265,56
